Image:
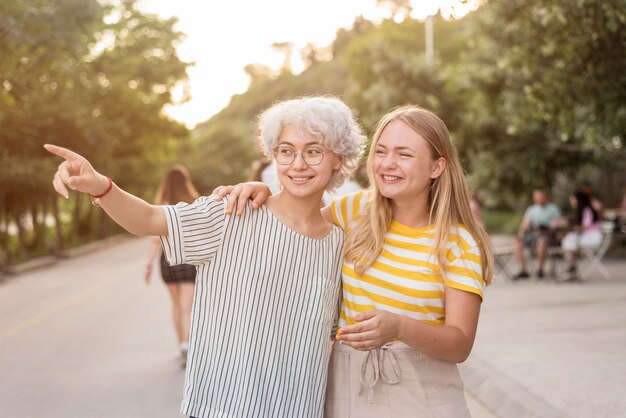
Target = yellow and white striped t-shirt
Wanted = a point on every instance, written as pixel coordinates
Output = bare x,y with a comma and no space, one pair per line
405,278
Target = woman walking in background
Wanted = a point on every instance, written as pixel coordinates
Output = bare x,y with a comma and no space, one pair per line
415,267
176,187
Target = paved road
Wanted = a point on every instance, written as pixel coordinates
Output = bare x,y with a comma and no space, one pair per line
85,337
547,349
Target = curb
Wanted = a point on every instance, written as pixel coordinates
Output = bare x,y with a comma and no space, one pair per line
48,260
502,395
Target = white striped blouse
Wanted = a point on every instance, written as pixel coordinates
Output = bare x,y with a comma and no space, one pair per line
264,306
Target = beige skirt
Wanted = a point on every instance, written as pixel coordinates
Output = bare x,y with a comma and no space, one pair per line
393,381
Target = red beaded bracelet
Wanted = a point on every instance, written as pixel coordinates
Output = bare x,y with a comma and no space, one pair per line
96,199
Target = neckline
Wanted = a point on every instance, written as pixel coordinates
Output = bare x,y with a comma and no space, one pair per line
403,229
294,232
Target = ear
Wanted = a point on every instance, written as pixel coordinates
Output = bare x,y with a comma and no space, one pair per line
338,162
438,167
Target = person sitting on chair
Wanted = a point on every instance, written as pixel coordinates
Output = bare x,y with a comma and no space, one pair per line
536,232
587,222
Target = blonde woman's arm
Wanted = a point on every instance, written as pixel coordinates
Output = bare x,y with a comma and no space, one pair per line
452,341
239,194
131,213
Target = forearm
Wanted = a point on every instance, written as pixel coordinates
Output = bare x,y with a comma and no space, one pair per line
155,246
523,228
440,341
133,214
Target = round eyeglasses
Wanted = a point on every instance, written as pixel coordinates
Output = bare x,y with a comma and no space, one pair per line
285,155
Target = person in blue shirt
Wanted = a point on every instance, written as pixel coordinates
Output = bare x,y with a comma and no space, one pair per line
536,231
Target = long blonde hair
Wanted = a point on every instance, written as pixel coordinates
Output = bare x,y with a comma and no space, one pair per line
176,187
449,198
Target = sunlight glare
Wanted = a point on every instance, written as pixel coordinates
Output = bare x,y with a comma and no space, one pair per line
223,37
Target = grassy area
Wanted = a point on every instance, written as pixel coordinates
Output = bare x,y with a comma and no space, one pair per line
501,221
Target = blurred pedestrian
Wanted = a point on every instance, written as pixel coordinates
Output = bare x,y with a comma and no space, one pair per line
174,188
536,232
587,228
475,208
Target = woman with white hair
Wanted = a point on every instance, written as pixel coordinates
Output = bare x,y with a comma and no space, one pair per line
268,281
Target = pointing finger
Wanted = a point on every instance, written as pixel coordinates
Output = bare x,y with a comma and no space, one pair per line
62,152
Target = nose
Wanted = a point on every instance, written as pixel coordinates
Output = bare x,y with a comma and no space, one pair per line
298,162
389,161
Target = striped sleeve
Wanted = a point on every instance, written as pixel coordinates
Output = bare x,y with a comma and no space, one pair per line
465,272
347,207
194,231
464,268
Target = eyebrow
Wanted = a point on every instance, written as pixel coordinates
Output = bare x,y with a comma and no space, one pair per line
307,144
396,148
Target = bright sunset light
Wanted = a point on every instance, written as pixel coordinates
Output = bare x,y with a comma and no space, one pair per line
224,37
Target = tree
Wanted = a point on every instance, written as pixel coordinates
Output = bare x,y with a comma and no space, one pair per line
399,8
286,48
259,73
91,77
546,91
397,72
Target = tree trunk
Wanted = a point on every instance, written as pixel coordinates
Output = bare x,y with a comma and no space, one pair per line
5,254
76,222
21,232
58,234
104,225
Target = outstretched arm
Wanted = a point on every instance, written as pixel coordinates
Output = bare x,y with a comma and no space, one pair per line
131,213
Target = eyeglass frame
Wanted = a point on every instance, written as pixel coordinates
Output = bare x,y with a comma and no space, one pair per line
301,154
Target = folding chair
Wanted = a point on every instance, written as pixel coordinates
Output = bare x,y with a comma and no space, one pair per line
594,256
556,262
501,257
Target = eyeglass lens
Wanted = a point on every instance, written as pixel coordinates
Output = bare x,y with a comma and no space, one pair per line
287,155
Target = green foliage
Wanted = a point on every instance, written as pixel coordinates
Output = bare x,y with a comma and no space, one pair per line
531,90
546,90
501,221
222,155
90,77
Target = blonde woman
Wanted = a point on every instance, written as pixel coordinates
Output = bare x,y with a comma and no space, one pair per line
415,267
174,188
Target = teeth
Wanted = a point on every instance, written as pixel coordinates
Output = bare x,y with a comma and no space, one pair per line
391,178
300,178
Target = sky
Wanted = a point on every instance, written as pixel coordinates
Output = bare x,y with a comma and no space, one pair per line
223,37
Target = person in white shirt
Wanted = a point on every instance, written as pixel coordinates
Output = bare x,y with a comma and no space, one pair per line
587,233
268,281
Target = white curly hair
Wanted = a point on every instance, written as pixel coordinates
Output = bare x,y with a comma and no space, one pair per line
328,119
